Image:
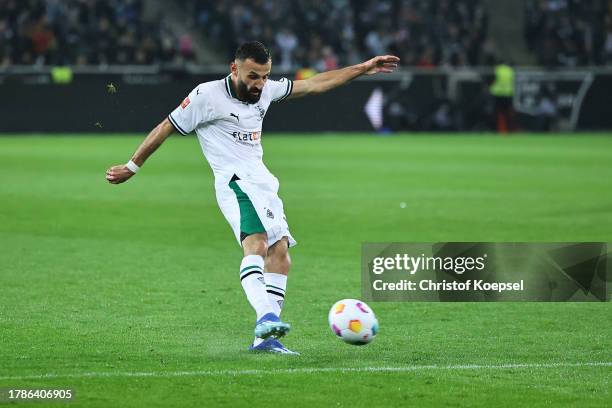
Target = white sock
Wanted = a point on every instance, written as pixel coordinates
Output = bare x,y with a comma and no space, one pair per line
276,284
252,280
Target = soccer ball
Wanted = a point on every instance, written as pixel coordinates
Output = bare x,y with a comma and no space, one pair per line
353,321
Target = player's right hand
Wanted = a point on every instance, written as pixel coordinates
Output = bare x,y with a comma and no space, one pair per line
118,174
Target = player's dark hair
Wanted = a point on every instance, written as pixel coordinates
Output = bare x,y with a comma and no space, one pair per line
254,50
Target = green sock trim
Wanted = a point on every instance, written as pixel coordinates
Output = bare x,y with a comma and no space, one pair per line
275,287
251,267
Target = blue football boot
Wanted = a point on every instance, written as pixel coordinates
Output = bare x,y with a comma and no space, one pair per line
271,345
271,326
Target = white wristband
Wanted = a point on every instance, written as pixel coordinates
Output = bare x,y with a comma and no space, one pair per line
133,167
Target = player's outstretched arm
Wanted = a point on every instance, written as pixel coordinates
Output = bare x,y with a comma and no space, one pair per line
331,79
119,174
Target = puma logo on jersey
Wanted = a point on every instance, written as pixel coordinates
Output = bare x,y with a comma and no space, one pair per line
236,116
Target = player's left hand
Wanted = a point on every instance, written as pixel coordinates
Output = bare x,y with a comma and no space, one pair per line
118,174
384,63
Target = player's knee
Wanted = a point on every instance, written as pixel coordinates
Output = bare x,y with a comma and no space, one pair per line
260,248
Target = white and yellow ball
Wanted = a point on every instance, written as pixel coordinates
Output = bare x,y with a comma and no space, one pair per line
353,321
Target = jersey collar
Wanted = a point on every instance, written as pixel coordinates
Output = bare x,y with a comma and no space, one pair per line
230,88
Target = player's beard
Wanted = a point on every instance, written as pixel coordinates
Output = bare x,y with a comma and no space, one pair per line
245,92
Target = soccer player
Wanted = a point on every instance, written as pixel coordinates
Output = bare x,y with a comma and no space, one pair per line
227,117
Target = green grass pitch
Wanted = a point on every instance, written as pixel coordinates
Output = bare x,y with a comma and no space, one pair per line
130,295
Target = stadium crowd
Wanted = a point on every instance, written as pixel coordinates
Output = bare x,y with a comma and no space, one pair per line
306,34
326,34
569,32
79,32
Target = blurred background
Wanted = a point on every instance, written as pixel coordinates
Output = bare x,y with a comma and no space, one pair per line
467,65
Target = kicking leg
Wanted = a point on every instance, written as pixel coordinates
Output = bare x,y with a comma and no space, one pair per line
277,265
255,247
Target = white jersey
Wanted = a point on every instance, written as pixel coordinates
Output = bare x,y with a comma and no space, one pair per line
228,129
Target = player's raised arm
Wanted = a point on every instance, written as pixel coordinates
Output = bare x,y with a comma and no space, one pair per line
120,173
331,79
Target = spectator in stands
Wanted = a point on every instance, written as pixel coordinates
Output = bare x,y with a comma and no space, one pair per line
328,60
286,41
427,58
42,38
378,41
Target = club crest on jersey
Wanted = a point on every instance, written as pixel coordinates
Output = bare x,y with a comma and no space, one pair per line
262,112
185,102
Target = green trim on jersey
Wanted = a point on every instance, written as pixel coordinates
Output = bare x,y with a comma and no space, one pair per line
249,220
229,87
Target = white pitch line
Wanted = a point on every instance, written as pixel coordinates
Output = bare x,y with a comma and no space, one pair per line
218,373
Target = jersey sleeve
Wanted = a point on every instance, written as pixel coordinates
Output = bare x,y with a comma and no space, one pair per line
192,112
281,89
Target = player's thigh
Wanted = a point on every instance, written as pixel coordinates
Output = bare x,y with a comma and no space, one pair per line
228,204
